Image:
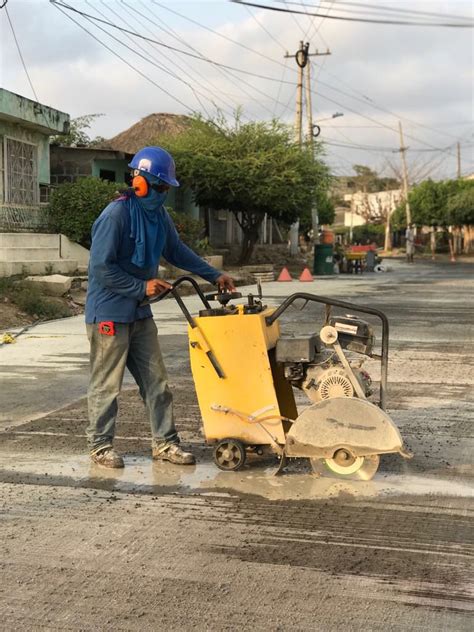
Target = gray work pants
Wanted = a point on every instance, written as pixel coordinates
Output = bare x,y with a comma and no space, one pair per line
135,346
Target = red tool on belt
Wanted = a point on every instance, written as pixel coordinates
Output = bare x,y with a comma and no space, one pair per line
107,328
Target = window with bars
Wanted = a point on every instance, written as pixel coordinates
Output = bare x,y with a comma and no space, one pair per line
20,173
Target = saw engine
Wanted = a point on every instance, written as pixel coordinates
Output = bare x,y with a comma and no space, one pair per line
317,369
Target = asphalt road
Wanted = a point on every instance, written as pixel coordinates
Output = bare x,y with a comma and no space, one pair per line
162,547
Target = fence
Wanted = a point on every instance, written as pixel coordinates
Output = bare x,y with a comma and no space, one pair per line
21,219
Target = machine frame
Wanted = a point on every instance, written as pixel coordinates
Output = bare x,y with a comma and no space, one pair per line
281,432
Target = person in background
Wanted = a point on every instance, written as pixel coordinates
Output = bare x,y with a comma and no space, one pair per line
128,239
410,243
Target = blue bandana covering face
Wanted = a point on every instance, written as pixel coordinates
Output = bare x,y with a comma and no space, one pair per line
146,224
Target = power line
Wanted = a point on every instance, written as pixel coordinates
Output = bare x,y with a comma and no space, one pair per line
217,64
378,12
317,32
153,62
364,97
207,28
279,90
4,6
149,39
354,19
174,63
381,8
376,148
158,64
265,29
133,11
224,71
142,74
256,52
91,18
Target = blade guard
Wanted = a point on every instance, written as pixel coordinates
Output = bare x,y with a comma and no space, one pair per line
343,422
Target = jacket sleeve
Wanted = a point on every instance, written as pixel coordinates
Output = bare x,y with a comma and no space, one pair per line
178,254
103,264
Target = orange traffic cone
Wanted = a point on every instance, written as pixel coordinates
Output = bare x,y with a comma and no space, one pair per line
306,275
285,275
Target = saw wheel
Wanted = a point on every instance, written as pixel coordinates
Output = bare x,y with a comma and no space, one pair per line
345,466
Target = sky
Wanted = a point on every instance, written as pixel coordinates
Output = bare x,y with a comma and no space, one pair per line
375,76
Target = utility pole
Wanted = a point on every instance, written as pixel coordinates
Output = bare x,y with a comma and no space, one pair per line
459,159
309,108
405,173
302,56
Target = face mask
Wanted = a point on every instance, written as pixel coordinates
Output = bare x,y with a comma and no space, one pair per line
154,200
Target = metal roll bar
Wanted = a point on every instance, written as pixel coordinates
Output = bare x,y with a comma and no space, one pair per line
324,300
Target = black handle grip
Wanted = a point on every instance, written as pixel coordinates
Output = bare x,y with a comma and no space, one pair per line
179,281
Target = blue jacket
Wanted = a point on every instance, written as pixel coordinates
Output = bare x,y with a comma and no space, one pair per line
116,285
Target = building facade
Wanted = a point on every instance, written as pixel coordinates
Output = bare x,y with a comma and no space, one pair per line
25,130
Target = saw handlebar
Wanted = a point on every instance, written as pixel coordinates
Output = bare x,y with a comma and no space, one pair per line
172,290
314,298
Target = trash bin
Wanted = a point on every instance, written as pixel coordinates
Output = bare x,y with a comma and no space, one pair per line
323,259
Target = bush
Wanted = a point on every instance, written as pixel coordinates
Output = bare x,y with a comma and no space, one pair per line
29,300
190,231
74,207
369,232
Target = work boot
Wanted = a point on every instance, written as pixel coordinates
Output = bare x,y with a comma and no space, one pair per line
107,457
173,453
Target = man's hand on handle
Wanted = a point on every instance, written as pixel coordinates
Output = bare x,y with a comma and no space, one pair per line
225,283
156,286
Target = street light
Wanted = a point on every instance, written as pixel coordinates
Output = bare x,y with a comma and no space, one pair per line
317,129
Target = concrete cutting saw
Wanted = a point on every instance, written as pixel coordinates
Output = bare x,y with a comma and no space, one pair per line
246,371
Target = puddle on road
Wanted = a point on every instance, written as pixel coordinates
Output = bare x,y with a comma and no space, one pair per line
142,475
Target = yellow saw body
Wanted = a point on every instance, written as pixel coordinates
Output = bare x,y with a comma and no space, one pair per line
253,386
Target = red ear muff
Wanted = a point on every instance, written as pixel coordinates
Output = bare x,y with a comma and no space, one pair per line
140,186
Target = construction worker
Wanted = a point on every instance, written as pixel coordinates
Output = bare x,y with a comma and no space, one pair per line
128,239
410,243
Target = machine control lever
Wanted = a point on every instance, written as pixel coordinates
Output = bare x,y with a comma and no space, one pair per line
223,297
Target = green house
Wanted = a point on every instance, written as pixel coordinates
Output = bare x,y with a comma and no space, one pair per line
25,130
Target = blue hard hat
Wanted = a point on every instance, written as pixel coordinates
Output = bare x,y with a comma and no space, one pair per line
157,162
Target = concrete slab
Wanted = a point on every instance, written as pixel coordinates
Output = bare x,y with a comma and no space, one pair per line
87,548
51,284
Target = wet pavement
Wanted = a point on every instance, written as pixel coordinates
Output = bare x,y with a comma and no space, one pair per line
157,545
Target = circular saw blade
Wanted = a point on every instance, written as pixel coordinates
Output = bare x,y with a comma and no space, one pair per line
362,469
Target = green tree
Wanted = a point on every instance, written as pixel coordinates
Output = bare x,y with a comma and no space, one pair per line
460,208
461,213
368,180
428,204
429,201
325,208
77,134
250,169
